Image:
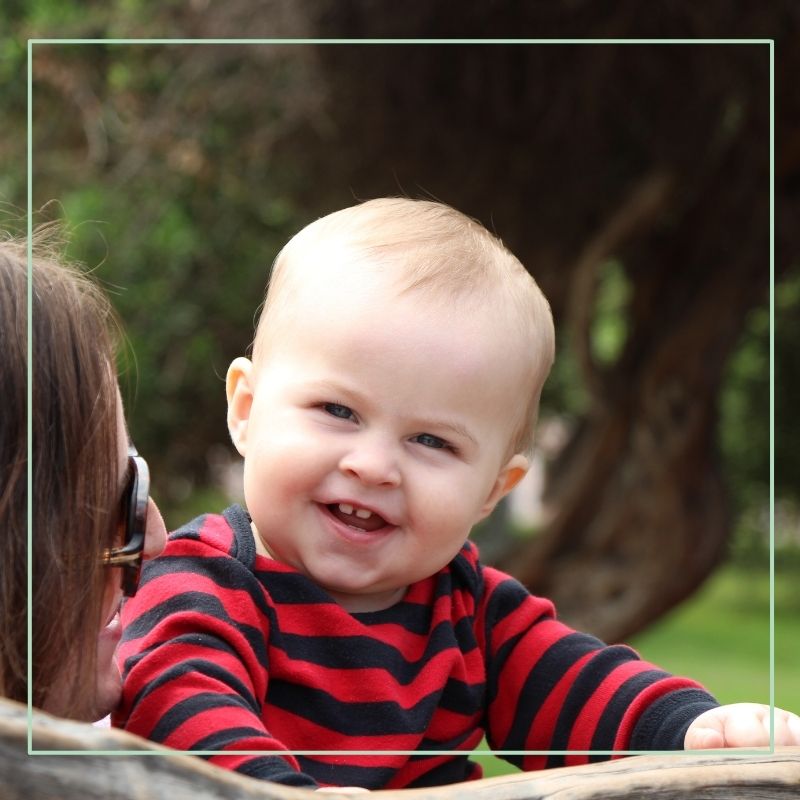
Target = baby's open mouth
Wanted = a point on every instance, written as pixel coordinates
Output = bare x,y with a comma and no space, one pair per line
361,519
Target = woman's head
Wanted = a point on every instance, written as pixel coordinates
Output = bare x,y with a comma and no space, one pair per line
79,463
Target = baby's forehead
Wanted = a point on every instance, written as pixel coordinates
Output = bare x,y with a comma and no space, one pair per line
340,258
389,299
360,306
329,267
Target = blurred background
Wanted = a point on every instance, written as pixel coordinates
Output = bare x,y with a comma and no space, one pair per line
632,180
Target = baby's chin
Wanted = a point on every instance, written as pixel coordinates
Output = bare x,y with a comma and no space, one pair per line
360,602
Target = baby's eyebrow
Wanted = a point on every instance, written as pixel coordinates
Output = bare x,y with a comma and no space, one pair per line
422,423
446,425
339,389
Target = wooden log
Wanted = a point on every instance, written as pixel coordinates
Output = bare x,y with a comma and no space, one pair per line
170,775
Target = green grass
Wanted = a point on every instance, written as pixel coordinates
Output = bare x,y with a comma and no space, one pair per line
720,637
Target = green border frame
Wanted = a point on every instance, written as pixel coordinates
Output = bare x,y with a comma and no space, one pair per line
288,41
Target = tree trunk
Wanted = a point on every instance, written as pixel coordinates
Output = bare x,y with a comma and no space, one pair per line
641,511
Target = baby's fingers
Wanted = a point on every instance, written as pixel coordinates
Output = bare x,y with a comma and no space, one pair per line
738,725
703,739
742,725
787,728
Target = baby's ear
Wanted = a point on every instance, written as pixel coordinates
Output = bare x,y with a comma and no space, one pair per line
509,476
239,390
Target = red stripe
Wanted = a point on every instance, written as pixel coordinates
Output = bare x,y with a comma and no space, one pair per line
642,701
540,736
527,652
587,720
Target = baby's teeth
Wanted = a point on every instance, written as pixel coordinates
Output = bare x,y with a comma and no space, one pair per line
361,513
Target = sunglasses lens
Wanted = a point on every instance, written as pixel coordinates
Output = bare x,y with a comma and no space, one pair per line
130,578
133,524
137,522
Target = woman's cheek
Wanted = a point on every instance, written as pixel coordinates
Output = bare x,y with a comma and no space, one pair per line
109,681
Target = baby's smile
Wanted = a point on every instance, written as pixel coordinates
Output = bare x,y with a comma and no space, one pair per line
357,517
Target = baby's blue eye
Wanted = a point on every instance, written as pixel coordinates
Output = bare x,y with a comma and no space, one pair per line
338,410
428,440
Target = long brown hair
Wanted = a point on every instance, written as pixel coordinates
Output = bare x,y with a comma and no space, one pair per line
74,467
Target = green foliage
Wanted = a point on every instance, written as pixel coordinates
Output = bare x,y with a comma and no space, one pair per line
744,429
13,143
176,219
787,381
47,15
564,392
610,324
744,411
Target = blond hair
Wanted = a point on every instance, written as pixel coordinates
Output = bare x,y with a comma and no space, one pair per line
436,250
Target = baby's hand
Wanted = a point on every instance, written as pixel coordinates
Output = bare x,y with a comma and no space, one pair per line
741,725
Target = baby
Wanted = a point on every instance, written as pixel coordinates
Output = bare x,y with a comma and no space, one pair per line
389,405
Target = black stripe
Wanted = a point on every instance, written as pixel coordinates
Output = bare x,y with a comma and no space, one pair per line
412,617
219,740
467,571
275,769
341,773
292,588
225,572
208,642
594,672
463,698
453,770
243,544
199,603
379,718
190,530
204,667
609,723
497,665
541,681
663,724
190,707
506,598
363,652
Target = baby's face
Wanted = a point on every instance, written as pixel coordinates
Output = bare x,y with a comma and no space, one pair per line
375,431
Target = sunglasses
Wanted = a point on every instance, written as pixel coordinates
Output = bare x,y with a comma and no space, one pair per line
132,524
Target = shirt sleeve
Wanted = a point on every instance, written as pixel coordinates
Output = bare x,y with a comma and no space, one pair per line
194,657
550,688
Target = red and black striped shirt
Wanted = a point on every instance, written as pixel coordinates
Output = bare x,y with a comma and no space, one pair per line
224,649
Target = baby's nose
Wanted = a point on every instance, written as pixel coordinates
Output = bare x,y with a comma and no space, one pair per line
373,463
